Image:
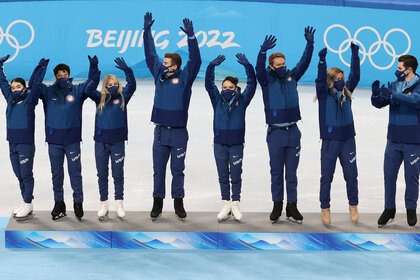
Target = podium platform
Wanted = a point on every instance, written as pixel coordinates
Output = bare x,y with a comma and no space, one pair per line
202,231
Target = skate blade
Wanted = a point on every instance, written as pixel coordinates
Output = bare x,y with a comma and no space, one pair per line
278,221
238,221
295,221
224,219
122,219
25,218
390,221
154,219
411,227
55,218
103,218
181,219
79,218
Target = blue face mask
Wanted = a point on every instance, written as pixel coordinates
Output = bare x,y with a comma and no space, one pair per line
228,94
17,93
281,72
113,90
62,82
400,75
165,69
339,85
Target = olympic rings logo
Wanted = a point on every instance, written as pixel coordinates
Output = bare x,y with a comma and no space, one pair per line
373,49
12,41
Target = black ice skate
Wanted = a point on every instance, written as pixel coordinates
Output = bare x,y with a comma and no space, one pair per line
276,213
411,217
387,216
179,209
292,211
59,210
78,211
157,208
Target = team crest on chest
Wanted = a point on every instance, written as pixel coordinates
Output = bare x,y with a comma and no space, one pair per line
175,81
289,79
70,98
116,101
237,103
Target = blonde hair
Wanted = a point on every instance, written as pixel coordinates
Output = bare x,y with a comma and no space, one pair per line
106,96
332,75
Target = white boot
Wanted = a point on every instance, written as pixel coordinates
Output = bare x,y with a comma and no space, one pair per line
16,210
103,210
225,211
120,208
25,212
236,211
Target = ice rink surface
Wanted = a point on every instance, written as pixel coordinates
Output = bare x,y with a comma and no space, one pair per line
201,181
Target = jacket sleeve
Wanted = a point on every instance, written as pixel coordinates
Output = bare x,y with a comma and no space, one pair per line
354,76
260,69
410,100
321,83
152,60
92,93
192,68
37,86
4,85
211,86
131,85
251,84
304,61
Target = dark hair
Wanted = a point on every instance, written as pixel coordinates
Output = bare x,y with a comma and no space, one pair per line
275,55
175,59
62,67
231,79
409,61
20,81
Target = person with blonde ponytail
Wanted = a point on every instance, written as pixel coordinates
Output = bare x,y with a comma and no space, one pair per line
336,127
111,131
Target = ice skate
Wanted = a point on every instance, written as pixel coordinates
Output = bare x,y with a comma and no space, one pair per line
16,210
103,210
276,213
179,209
25,213
387,217
411,217
59,210
326,216
354,213
78,211
119,207
225,212
292,211
157,208
236,212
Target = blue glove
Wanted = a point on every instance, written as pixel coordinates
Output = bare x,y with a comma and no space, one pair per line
4,59
354,48
375,88
121,64
93,84
322,54
218,60
386,92
93,60
309,34
188,27
43,62
148,21
242,59
269,43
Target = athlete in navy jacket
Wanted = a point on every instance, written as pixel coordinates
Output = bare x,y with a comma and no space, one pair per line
20,119
63,103
403,98
170,114
111,130
229,131
336,127
281,105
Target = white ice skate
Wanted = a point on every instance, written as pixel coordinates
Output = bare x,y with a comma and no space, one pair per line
120,208
236,212
103,210
16,210
225,212
25,212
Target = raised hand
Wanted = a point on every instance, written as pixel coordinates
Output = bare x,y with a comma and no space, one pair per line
386,91
375,88
188,27
121,64
269,43
218,60
94,82
322,54
93,60
242,59
43,62
148,21
4,59
354,48
309,34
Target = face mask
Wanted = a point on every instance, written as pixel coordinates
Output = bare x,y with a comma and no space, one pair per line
165,69
280,72
400,75
228,94
339,85
113,90
16,94
63,82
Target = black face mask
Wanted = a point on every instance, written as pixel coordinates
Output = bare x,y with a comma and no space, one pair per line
281,72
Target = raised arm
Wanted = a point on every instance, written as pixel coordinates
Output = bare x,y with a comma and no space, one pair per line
152,60
209,80
4,84
378,99
91,86
93,66
251,83
36,80
130,87
305,60
354,76
269,43
321,80
194,60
